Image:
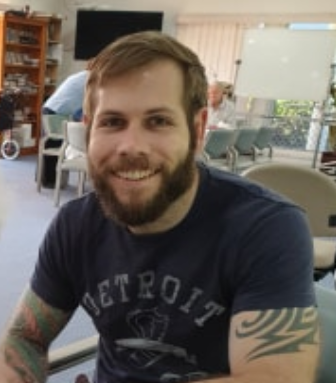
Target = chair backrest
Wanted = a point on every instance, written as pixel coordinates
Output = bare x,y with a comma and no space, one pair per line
245,140
218,142
75,135
307,187
264,138
326,303
52,125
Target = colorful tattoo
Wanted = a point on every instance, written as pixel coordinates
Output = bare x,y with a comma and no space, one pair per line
26,344
280,331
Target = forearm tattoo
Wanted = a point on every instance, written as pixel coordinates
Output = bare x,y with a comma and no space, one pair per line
280,331
26,344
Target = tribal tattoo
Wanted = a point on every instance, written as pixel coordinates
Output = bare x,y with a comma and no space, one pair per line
280,331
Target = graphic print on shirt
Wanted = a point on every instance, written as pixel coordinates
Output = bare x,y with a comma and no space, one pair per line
147,347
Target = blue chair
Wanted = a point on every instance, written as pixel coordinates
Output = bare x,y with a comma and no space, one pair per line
326,304
263,144
217,148
243,153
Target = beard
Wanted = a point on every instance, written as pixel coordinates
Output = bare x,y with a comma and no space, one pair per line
134,213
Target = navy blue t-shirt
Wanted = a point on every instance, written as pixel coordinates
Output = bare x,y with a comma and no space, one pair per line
162,303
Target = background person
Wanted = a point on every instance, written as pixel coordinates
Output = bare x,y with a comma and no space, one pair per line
221,108
187,272
68,98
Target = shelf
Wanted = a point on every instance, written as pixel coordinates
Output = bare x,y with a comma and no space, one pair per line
24,64
22,46
21,66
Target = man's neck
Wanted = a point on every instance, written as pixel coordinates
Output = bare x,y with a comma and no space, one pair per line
174,214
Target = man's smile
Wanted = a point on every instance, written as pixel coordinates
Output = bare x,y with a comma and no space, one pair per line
135,175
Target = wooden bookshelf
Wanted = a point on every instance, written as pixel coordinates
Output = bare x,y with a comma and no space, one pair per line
30,50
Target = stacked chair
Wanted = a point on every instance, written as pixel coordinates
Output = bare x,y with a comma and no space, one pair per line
237,149
262,145
243,152
73,156
50,144
217,149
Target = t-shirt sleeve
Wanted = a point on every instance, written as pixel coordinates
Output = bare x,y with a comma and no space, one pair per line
53,276
275,264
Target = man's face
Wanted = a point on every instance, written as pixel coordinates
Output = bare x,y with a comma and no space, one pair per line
215,95
139,150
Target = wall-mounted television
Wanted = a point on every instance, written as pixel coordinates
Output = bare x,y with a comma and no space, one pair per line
97,28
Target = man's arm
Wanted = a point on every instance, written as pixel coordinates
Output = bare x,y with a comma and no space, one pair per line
274,346
24,347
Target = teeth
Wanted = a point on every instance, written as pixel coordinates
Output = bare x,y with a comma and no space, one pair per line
135,174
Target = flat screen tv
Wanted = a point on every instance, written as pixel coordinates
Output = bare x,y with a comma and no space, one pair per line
96,29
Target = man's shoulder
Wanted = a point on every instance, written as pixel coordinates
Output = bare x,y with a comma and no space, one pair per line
85,209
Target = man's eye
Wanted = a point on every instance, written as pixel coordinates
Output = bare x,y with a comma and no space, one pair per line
113,122
159,121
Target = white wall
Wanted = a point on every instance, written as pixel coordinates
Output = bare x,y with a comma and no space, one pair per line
171,8
36,5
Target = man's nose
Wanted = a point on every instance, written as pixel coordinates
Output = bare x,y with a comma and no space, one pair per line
134,139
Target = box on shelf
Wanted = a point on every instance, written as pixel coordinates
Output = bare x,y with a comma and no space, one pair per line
23,135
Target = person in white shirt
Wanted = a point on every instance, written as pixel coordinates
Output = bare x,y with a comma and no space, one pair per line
68,97
221,109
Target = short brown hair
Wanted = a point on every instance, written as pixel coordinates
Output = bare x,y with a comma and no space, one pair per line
133,51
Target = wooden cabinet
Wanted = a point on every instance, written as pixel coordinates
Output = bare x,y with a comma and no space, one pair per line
53,55
26,62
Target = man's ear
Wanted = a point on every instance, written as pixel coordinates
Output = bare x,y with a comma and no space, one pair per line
200,123
86,120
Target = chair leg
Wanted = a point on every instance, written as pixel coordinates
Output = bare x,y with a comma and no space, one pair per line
234,161
58,187
39,171
81,183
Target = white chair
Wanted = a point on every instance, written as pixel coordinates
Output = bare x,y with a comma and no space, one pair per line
50,143
72,156
313,191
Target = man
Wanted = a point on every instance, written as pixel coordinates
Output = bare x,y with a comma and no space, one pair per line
67,99
187,272
221,111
